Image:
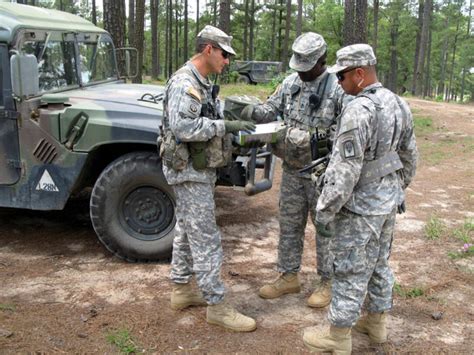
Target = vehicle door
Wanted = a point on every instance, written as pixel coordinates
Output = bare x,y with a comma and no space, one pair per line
10,166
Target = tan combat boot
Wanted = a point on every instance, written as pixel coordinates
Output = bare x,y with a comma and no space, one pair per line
286,283
338,341
321,296
375,326
226,316
184,296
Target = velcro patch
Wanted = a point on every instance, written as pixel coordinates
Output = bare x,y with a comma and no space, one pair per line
348,146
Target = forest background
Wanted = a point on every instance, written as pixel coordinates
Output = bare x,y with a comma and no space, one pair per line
424,48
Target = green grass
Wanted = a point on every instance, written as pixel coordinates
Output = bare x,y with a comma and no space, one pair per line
123,341
434,228
465,233
7,307
423,125
407,292
463,253
261,91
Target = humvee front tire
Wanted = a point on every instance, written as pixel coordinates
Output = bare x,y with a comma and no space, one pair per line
132,208
243,79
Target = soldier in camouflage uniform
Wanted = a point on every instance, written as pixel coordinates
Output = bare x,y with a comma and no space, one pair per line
373,160
192,120
309,102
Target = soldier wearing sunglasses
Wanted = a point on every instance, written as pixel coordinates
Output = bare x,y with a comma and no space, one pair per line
308,101
373,160
191,150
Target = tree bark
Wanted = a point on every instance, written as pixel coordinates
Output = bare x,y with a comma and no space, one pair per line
360,33
214,18
139,37
423,47
197,18
349,13
224,16
246,34
185,30
417,45
114,23
176,32
94,12
252,30
155,39
272,50
394,31
299,19
376,26
131,22
286,42
426,88
444,61
453,60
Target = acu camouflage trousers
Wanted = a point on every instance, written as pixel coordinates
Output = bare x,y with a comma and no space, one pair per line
197,244
360,250
298,197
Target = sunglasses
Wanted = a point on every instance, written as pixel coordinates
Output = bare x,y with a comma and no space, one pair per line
340,75
225,55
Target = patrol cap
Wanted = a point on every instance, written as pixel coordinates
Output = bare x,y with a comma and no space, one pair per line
355,55
307,49
217,37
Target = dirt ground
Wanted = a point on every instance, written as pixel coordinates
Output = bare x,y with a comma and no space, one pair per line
62,292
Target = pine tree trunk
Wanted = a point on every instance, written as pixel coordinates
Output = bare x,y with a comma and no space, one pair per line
426,89
417,46
114,23
376,26
94,12
155,65
453,60
299,19
280,37
214,18
349,22
360,33
272,50
176,32
423,47
443,61
185,30
252,30
139,37
224,16
131,22
394,31
287,35
197,18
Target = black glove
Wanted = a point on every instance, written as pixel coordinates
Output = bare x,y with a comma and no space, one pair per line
401,208
247,112
235,126
324,230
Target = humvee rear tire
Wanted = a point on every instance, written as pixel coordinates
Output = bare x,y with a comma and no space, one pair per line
132,208
243,79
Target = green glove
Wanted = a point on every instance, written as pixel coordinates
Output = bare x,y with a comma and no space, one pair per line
247,112
235,126
324,230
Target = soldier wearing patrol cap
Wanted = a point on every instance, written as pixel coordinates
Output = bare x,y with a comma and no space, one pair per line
309,102
373,160
191,149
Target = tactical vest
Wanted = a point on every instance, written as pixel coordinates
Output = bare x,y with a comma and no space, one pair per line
308,116
382,158
216,152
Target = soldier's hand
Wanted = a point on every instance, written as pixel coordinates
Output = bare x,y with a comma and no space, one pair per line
247,112
235,126
324,230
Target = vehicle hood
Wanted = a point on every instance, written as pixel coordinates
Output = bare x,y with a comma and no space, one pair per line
116,112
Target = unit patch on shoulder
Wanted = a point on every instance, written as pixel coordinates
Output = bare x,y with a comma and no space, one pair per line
349,147
194,93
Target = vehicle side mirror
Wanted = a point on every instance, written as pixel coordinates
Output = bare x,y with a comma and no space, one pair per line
127,60
25,78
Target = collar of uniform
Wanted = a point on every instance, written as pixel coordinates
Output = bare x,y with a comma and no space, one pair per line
370,87
202,80
307,84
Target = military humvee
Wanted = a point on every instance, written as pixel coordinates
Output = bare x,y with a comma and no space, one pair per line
254,72
68,123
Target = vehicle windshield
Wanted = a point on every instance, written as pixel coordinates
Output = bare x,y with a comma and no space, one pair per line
58,68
